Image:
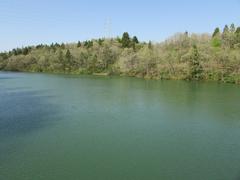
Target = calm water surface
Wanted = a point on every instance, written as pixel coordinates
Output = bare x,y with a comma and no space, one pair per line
60,127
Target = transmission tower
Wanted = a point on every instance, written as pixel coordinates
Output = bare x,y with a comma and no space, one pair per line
108,28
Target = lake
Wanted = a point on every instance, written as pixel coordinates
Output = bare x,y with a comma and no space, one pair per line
60,127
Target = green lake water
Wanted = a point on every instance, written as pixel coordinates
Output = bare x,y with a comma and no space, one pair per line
65,127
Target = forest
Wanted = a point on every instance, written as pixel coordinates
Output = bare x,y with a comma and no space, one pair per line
184,56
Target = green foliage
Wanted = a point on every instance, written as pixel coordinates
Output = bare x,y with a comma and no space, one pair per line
150,45
79,44
68,55
196,70
228,39
40,46
100,41
119,40
216,32
237,35
63,46
215,57
216,42
135,40
237,31
25,51
4,56
225,29
88,44
126,41
232,28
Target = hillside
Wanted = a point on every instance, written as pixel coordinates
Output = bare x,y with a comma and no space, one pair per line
184,56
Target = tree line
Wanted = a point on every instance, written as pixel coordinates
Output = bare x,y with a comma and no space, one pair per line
185,56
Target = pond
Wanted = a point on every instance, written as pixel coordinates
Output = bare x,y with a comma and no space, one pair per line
72,127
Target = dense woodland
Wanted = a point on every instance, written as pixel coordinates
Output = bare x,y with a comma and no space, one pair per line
184,56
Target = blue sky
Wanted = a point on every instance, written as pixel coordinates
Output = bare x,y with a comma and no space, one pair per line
29,22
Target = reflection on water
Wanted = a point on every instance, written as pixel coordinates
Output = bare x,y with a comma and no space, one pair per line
23,112
70,127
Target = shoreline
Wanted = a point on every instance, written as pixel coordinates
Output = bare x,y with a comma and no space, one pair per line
121,75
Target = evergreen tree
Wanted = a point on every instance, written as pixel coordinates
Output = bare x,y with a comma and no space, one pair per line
63,46
135,40
149,45
225,29
14,51
100,41
226,37
232,36
196,69
237,30
60,56
25,51
59,62
85,43
216,32
68,55
126,41
52,46
232,28
79,44
67,60
225,32
57,45
237,35
39,46
88,44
